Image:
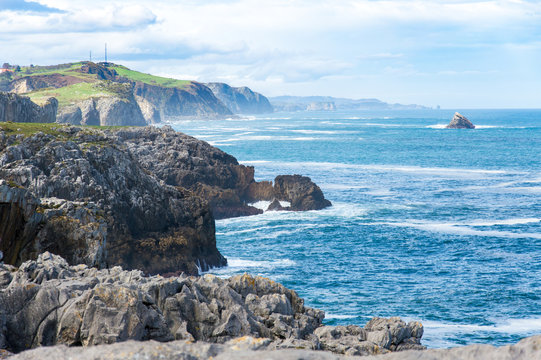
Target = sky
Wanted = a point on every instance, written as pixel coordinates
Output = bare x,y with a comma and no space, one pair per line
452,53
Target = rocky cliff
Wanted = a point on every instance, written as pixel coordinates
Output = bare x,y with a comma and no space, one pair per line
110,94
79,193
194,100
21,109
180,160
47,302
104,111
241,100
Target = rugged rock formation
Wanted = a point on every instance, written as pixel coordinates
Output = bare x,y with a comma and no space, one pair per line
31,83
103,111
460,122
118,197
193,100
78,193
241,100
300,191
181,160
248,348
21,109
47,302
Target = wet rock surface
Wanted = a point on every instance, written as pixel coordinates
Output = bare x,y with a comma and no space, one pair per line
47,302
300,191
460,122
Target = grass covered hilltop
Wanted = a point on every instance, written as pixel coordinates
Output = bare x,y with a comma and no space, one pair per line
110,94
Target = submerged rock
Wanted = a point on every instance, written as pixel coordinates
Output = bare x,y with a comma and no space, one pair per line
48,302
460,122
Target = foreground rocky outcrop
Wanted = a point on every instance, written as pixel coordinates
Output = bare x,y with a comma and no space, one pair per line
21,109
47,302
460,122
251,348
143,198
78,193
241,100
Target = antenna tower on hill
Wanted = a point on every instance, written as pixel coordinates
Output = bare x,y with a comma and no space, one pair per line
105,53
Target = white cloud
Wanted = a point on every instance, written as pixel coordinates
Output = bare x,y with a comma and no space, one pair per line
288,46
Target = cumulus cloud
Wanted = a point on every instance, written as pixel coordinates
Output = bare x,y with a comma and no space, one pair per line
285,46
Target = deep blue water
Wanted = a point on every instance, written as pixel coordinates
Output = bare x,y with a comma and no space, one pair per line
430,224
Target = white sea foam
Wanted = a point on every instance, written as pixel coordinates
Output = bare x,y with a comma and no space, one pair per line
463,229
380,192
436,126
416,170
236,265
324,132
240,137
329,316
511,326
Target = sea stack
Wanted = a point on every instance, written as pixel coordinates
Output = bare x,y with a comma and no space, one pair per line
460,122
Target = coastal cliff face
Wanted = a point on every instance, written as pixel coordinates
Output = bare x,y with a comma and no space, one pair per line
181,160
21,109
241,100
193,100
47,302
109,94
80,194
144,198
104,111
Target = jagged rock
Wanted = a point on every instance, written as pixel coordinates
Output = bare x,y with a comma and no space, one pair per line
241,100
48,302
102,71
18,108
248,348
276,206
460,122
105,110
214,175
300,191
80,195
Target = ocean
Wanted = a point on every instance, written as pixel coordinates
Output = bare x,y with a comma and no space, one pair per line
430,224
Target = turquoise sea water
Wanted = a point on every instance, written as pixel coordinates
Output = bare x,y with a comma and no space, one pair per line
430,224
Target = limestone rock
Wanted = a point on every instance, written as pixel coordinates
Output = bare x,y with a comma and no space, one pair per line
300,191
18,108
241,100
248,348
80,195
460,122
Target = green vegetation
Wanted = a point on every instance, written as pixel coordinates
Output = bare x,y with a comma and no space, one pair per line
29,129
64,69
147,78
72,94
